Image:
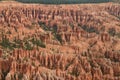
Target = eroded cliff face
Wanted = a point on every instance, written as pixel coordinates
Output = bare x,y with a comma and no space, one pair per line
59,42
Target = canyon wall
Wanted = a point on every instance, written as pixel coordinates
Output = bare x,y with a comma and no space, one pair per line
59,42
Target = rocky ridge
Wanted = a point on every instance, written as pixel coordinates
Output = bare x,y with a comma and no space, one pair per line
59,42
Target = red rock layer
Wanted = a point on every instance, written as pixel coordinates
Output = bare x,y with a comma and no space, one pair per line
79,43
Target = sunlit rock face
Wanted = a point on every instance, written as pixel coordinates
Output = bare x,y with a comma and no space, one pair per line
59,42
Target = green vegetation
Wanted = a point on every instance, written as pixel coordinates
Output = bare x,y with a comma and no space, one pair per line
112,31
118,35
90,29
49,28
6,43
30,43
7,0
38,43
43,26
27,44
54,29
58,37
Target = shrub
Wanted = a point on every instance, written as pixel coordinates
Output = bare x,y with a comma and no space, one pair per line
112,31
38,43
54,28
28,46
58,37
118,35
90,29
43,26
5,43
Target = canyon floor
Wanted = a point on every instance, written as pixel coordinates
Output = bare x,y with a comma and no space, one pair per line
59,42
